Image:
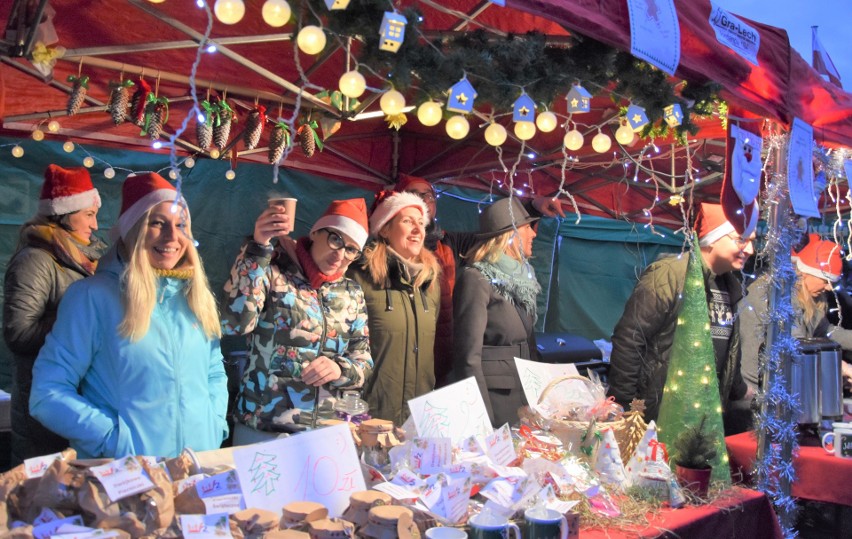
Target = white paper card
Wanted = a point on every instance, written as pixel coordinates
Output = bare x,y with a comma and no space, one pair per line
123,477
535,376
219,485
319,466
45,530
430,455
397,492
187,483
734,33
800,169
205,526
72,531
655,33
499,446
227,503
455,496
36,466
455,411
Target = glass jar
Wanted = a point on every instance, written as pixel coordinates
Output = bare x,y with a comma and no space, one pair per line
360,504
377,439
330,528
351,407
295,513
383,521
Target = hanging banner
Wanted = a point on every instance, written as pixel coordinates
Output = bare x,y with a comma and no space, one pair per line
734,33
800,169
655,33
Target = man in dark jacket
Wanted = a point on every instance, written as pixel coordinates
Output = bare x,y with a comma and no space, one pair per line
643,338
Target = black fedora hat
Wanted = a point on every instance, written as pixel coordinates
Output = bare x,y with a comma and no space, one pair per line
497,218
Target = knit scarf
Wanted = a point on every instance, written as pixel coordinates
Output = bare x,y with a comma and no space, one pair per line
176,273
312,271
513,280
65,246
409,269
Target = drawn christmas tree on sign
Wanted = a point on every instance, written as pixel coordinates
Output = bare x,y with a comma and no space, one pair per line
692,388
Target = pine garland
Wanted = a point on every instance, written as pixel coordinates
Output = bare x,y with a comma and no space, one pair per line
498,67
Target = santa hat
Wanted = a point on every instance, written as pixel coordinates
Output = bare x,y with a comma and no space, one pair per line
140,193
390,203
406,182
66,190
821,259
712,224
347,217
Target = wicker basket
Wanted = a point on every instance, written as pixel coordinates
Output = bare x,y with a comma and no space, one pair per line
628,430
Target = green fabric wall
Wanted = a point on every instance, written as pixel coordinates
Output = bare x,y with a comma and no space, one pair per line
594,264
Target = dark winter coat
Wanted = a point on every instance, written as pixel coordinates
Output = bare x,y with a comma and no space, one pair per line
402,323
489,332
642,339
35,282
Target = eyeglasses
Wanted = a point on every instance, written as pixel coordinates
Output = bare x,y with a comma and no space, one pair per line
336,242
426,196
740,241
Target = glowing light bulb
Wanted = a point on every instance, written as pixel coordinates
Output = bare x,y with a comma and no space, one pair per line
214,153
429,113
495,134
17,151
696,344
88,161
157,144
546,121
68,146
173,174
392,102
276,13
705,380
601,143
625,135
229,11
352,84
311,39
109,173
230,175
53,126
524,130
680,372
457,127
156,1
573,140
696,405
189,162
38,135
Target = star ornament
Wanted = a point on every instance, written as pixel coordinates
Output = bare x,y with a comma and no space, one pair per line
462,99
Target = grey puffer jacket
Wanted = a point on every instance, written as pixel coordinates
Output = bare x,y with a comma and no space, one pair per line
642,339
35,282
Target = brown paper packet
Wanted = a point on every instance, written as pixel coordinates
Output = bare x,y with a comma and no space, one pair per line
58,489
9,481
179,467
255,522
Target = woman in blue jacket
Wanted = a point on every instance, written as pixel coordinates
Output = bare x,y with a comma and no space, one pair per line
132,365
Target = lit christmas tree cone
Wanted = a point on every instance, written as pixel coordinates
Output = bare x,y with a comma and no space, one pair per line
692,388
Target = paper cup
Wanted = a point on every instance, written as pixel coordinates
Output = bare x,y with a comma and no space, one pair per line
288,203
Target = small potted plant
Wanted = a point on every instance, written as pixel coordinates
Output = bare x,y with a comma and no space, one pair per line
693,452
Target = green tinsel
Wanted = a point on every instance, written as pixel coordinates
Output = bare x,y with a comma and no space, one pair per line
500,67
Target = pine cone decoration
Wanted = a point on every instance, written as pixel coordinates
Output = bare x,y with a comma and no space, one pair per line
119,99
254,127
278,141
154,123
78,94
204,133
139,101
307,139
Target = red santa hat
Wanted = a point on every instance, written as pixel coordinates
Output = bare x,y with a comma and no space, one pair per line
406,182
821,259
712,224
388,204
140,193
348,217
66,190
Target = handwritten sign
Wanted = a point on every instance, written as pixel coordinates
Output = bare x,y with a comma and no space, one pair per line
430,455
36,466
800,169
123,477
455,411
227,503
320,466
655,33
205,526
535,376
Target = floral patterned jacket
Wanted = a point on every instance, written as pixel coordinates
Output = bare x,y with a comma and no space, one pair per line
288,323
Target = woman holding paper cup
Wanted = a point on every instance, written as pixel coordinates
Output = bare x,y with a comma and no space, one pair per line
133,365
307,322
494,306
400,281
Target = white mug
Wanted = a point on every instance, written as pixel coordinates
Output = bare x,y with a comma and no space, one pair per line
445,533
839,441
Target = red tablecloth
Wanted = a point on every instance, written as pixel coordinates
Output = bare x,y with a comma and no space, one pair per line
740,513
819,476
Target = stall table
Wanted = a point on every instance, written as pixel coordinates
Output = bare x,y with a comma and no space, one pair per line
738,514
819,476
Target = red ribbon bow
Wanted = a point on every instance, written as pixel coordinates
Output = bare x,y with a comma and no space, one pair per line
654,444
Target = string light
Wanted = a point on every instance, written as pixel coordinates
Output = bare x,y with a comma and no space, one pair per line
524,130
392,102
352,84
53,126
495,134
429,113
573,140
109,173
68,146
17,151
88,161
311,39
276,13
601,142
38,135
546,121
457,127
230,175
189,162
229,11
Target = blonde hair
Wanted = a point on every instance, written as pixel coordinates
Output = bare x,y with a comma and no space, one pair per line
140,286
376,263
813,308
491,249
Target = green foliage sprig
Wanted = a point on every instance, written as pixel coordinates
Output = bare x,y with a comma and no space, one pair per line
694,447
